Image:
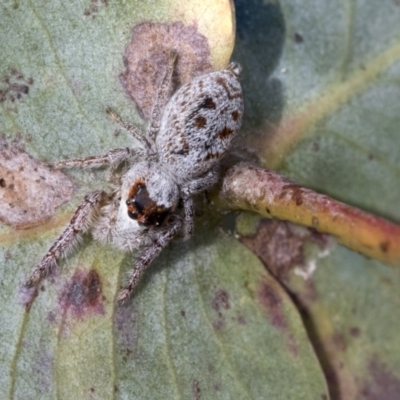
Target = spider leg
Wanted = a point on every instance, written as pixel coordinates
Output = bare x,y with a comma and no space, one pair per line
112,158
188,210
81,221
132,129
188,191
161,97
161,240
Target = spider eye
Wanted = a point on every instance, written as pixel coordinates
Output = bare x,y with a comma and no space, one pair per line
142,208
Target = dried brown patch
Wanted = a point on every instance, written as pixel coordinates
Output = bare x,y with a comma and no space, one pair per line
278,246
83,294
30,192
146,58
13,86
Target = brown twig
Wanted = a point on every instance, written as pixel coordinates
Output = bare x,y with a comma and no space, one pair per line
247,187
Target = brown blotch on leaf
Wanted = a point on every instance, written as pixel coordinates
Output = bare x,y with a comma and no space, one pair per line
278,245
271,301
146,59
381,384
200,122
83,294
355,331
13,86
30,191
221,300
218,324
94,7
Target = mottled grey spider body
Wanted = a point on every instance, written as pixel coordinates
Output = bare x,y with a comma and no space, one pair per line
153,198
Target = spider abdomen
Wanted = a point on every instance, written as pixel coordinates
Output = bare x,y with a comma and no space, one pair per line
200,122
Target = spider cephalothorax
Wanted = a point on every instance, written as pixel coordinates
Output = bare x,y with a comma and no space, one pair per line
179,158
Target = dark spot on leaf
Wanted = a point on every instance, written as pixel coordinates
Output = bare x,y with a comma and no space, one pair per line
2,183
92,389
196,390
241,320
315,146
298,38
221,300
218,324
83,294
14,86
355,331
183,313
94,8
339,342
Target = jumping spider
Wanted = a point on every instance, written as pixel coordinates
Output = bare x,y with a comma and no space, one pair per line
154,185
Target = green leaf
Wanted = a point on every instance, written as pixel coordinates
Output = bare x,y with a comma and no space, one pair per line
207,320
324,95
323,107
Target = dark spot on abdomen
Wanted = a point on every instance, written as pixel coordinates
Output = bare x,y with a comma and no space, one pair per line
208,103
200,122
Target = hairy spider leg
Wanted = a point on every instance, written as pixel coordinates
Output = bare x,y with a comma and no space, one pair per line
149,254
113,157
81,222
162,96
132,129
